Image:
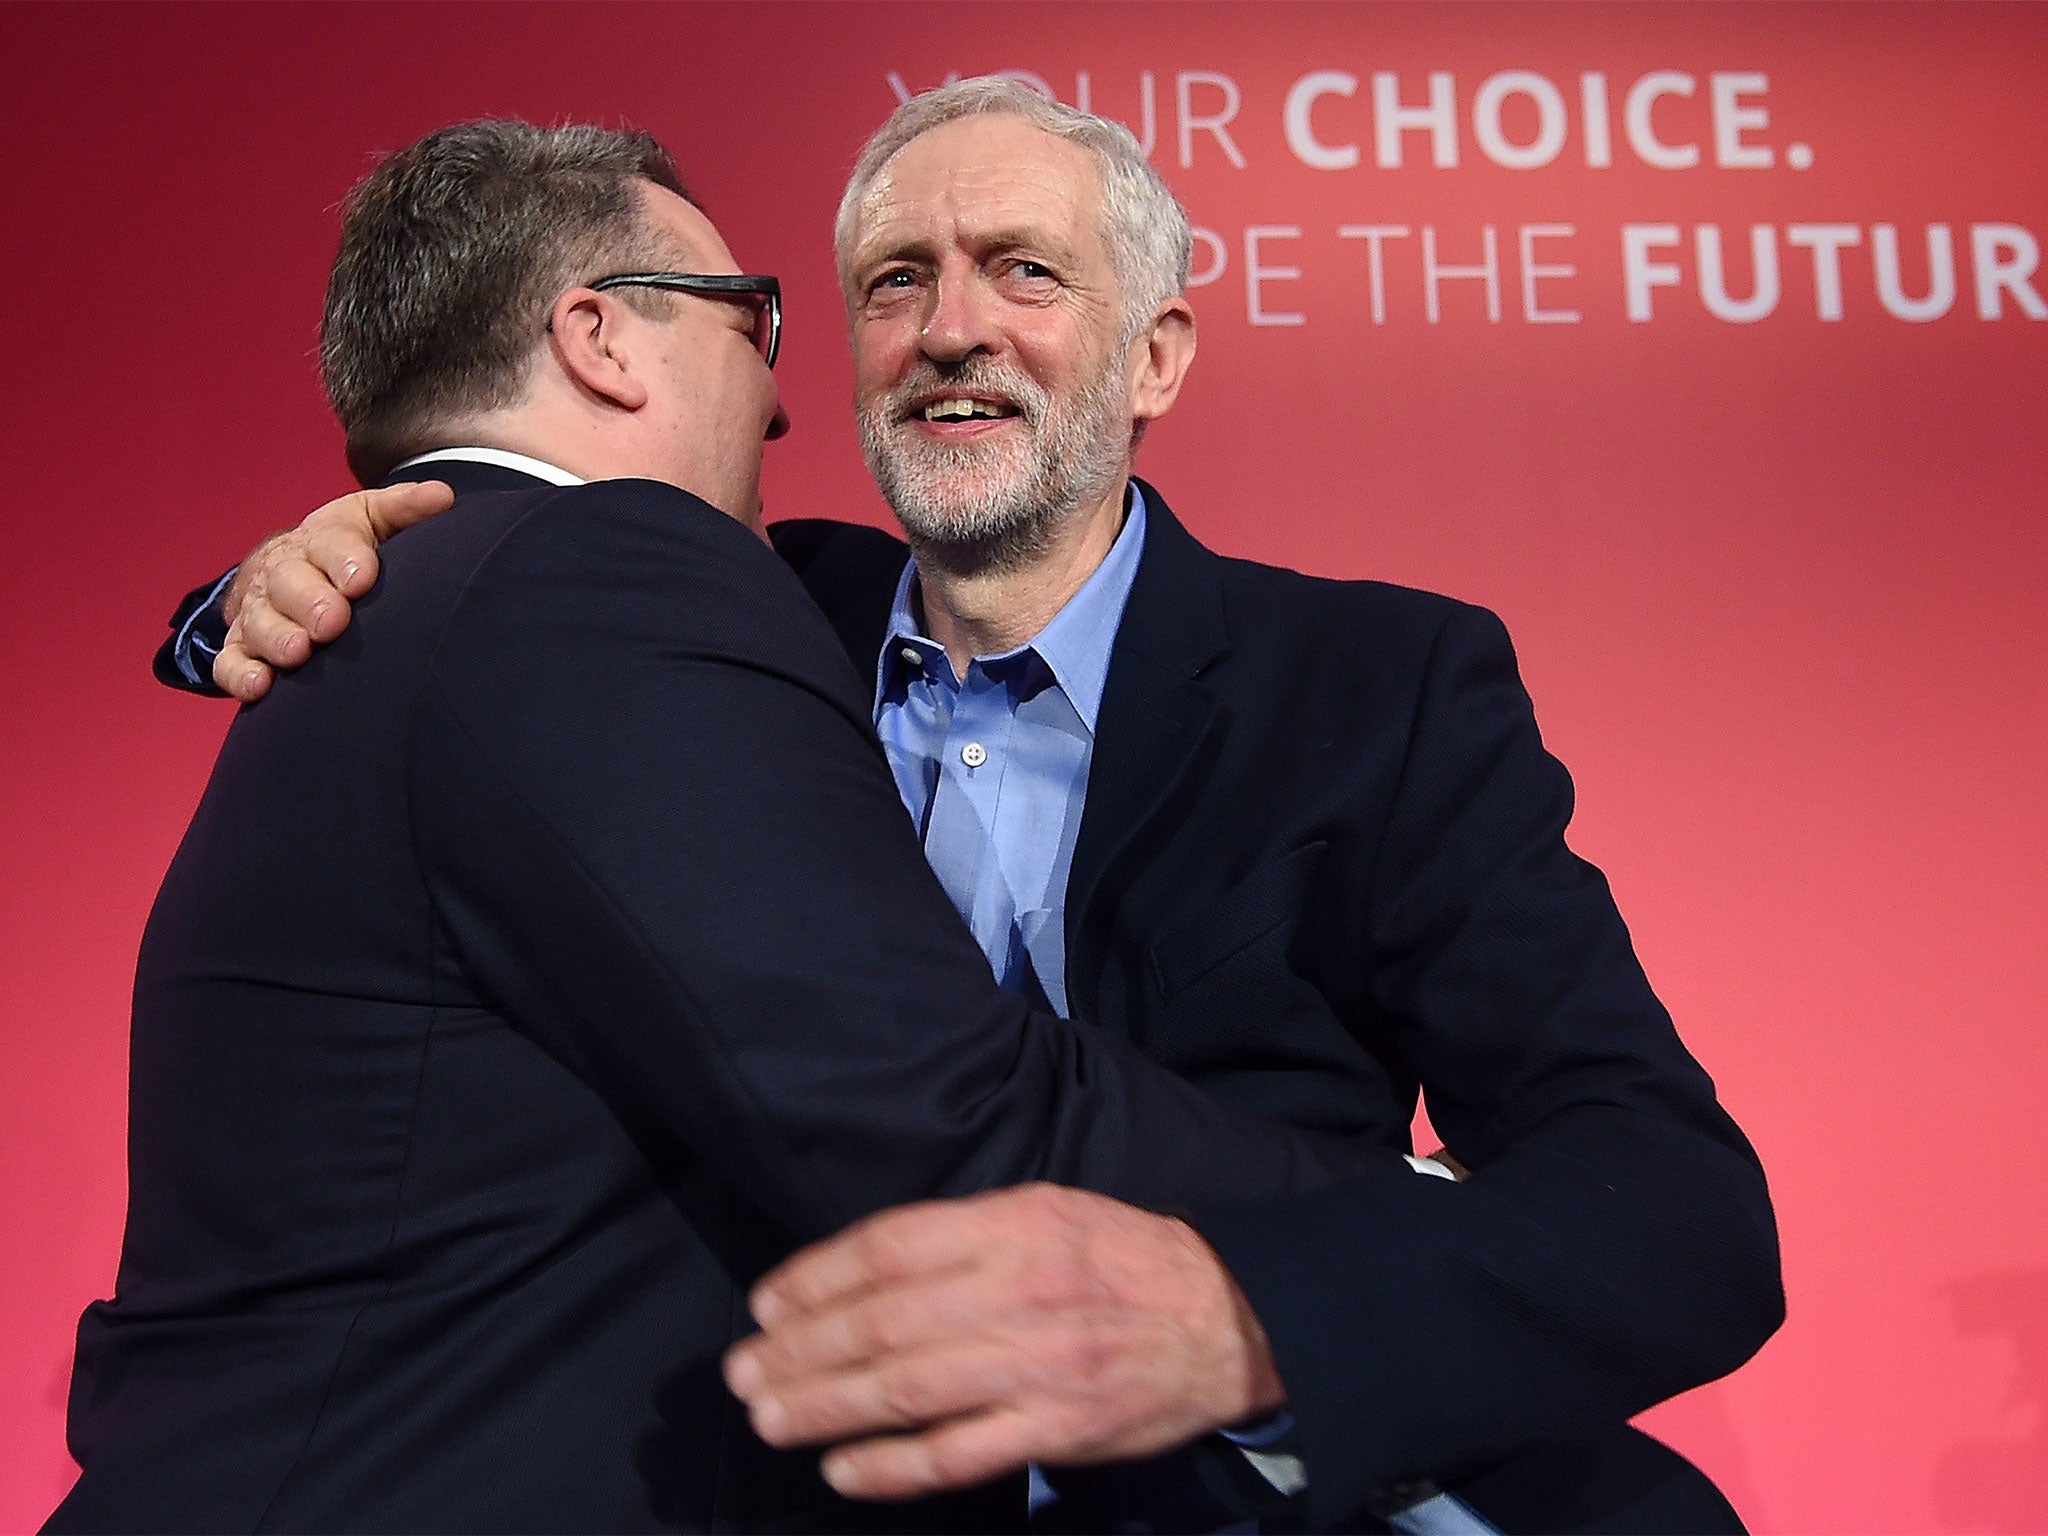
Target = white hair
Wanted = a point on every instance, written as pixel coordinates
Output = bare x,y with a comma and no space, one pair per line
1143,223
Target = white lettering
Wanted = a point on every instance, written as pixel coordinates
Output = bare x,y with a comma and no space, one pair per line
1219,258
1216,123
1531,233
1488,271
1635,116
1763,295
1372,235
2005,256
1390,120
1301,133
1731,118
1826,241
1599,140
1486,125
1941,274
1255,273
1640,274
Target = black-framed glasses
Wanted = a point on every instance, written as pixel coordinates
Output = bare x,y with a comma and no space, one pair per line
763,294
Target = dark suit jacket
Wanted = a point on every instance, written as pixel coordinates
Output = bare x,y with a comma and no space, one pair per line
1322,862
544,960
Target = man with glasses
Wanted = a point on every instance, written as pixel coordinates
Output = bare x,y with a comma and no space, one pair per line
552,955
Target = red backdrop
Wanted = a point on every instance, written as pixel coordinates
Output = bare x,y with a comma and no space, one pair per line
1774,565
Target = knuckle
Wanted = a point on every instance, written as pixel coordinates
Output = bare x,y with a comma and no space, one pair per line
1056,1280
1083,1354
902,1394
258,621
948,1460
893,1323
866,1332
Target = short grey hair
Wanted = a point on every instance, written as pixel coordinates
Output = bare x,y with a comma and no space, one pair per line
1143,223
453,251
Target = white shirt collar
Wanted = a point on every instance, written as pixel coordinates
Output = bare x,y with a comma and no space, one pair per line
538,468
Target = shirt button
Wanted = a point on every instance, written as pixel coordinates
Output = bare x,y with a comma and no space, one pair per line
974,754
910,654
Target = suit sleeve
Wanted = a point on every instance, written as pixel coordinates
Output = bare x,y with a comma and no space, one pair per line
198,630
661,835
1615,1244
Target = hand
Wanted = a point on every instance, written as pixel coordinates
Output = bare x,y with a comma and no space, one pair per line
955,1340
293,591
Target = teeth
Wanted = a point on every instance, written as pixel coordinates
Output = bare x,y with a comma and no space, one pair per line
960,409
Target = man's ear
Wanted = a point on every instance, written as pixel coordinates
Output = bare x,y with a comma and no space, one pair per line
1160,357
592,337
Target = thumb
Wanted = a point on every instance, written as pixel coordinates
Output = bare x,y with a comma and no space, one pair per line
394,508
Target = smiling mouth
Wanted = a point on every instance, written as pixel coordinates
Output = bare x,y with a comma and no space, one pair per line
960,409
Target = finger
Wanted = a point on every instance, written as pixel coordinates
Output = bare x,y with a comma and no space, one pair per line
270,637
899,1392
956,1454
239,674
908,1242
301,592
951,1308
343,550
392,508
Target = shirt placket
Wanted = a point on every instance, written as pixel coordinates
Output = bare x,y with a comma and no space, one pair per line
960,834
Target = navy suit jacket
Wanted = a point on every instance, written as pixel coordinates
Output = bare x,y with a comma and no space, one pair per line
1322,863
545,959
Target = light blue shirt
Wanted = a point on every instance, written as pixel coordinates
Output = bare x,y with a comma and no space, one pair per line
993,766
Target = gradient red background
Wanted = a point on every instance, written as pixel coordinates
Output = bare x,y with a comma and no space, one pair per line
1777,587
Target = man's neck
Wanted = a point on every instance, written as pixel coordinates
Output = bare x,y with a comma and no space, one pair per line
987,611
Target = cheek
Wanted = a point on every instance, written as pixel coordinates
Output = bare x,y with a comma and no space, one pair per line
883,351
1054,352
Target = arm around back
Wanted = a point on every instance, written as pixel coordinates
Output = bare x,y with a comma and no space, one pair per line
290,595
659,830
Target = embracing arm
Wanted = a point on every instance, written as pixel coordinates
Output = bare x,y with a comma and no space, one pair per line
291,593
660,833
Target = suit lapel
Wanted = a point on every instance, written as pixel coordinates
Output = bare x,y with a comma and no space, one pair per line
1158,725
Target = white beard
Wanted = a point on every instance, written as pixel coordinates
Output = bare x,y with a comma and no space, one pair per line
993,504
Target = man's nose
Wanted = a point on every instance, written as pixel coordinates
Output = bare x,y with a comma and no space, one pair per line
961,321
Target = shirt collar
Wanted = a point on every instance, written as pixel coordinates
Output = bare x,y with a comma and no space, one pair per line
1075,645
503,458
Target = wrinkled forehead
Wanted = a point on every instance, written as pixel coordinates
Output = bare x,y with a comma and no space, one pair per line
990,177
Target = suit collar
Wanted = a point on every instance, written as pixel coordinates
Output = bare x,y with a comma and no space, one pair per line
504,458
1175,618
467,477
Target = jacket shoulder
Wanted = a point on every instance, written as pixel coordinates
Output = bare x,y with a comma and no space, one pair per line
824,552
1374,613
